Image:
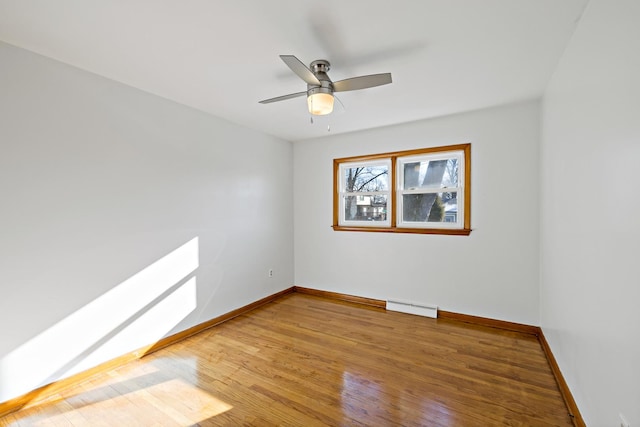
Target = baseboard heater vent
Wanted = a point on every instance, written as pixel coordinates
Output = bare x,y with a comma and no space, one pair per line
413,308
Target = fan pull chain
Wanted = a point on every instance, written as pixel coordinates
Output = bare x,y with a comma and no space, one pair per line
312,122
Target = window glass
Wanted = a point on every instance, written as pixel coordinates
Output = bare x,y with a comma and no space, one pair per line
439,173
430,207
366,178
365,208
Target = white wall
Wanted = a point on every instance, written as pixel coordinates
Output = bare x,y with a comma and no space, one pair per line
590,217
124,217
493,272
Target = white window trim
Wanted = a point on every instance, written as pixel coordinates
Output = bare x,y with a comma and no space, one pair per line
459,190
342,193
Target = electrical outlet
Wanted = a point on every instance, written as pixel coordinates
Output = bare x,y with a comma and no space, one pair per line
623,421
271,272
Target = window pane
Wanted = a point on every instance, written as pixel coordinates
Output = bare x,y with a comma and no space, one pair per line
431,174
430,207
366,178
365,208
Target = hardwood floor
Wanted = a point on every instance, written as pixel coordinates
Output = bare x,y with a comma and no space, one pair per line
304,360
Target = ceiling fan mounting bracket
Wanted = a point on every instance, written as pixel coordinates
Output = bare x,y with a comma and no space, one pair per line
320,66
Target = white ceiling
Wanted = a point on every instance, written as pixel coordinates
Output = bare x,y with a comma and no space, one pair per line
221,56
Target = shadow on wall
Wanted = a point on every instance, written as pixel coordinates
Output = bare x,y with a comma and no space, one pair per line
139,311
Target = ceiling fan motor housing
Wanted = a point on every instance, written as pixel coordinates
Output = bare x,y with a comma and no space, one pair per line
320,97
320,67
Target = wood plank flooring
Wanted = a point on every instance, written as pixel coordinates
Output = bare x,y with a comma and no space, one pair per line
308,361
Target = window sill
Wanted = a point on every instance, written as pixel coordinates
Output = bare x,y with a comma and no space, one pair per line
447,231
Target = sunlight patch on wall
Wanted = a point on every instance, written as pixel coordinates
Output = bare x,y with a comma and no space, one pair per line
135,313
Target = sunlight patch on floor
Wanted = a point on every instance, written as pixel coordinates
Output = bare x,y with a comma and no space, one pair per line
149,398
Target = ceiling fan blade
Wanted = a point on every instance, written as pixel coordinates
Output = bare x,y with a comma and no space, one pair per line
362,82
282,98
300,69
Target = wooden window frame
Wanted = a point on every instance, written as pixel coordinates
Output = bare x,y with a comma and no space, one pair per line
393,183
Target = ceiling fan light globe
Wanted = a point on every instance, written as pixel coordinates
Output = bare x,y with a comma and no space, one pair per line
320,103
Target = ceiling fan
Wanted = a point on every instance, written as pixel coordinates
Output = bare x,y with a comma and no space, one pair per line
320,88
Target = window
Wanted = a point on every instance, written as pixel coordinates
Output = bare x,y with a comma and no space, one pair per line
417,191
365,193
